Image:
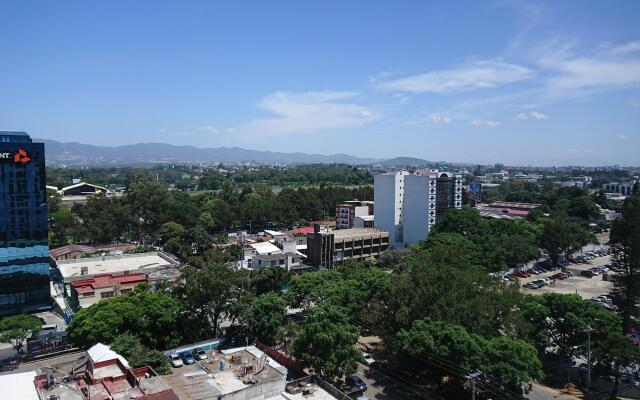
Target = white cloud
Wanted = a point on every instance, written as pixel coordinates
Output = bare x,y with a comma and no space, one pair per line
469,76
438,119
634,103
574,72
184,133
230,130
621,136
209,129
627,48
310,112
485,123
523,116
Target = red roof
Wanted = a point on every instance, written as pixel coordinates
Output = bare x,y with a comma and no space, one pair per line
107,280
304,229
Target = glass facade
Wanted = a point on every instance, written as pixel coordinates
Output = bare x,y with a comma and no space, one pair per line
24,250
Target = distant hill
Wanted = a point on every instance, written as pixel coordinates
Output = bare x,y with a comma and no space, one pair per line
406,161
74,153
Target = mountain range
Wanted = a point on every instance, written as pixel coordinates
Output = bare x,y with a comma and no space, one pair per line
74,154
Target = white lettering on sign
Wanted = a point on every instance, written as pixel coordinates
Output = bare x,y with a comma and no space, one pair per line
5,155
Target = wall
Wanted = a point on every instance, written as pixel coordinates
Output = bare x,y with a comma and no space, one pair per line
416,208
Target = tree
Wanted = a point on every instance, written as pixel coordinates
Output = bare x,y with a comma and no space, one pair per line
326,343
559,236
558,321
208,294
613,356
427,339
170,230
512,362
264,316
129,346
270,279
625,239
16,328
152,316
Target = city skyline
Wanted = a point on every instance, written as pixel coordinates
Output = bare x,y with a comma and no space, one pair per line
511,82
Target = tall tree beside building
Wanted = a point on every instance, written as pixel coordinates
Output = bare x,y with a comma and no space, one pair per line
625,239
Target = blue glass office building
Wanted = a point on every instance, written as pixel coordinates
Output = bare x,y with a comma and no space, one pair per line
24,250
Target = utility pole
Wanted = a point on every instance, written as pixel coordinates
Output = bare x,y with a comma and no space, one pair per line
588,330
472,377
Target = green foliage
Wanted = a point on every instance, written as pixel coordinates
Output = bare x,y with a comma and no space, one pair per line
613,356
512,362
625,237
152,316
559,236
326,343
440,283
264,316
270,279
17,328
209,294
129,346
494,244
559,321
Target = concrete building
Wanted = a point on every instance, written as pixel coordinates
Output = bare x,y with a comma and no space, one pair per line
71,252
364,221
623,188
86,292
327,247
388,199
24,246
282,250
347,211
408,205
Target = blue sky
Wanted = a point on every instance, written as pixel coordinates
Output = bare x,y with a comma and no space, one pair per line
544,83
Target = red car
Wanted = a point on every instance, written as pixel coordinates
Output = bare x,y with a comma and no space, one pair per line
560,276
522,274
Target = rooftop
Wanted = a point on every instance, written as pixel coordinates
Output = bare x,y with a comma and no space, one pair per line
107,280
512,204
71,248
144,262
356,232
19,386
265,248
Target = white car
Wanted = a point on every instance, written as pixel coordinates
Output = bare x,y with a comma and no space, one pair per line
367,358
176,361
200,354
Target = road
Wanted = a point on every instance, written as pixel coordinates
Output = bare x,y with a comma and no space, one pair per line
381,386
63,361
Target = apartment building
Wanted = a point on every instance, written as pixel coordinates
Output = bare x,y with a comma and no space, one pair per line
327,247
347,212
408,205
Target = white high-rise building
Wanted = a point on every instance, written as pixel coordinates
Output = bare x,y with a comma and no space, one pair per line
388,197
408,205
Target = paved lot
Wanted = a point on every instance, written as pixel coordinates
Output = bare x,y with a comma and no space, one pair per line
582,286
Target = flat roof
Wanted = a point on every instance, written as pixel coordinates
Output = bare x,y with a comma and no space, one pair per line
19,386
355,232
265,248
145,262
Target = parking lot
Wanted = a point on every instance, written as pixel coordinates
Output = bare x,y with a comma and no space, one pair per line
580,285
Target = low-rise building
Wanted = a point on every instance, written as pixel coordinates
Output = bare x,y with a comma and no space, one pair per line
326,247
71,252
86,292
623,188
364,221
347,211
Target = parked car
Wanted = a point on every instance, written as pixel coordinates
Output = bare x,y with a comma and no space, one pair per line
199,354
355,380
532,285
549,281
560,276
569,274
587,273
187,358
175,360
367,358
521,274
